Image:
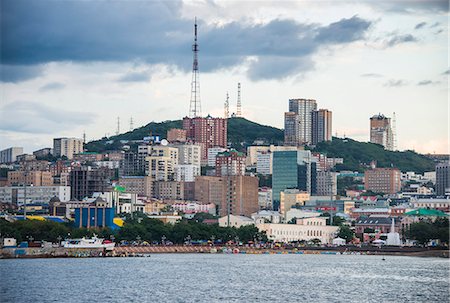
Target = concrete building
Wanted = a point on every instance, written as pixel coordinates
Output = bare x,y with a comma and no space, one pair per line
35,178
230,163
235,221
321,126
299,129
266,216
381,131
436,203
34,194
306,229
443,179
291,197
265,198
300,214
35,165
85,181
140,185
212,154
383,180
189,154
67,147
176,135
186,172
9,155
194,207
264,163
43,152
326,183
130,165
208,132
161,163
236,195
169,190
291,128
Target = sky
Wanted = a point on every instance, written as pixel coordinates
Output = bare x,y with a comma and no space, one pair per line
73,67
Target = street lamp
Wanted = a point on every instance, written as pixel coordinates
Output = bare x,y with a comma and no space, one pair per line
112,238
138,239
59,238
236,240
212,239
163,239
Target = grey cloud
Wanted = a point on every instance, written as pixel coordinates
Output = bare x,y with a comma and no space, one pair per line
153,32
427,82
372,75
38,118
52,86
411,6
438,31
447,72
143,76
420,25
399,39
18,73
395,83
436,24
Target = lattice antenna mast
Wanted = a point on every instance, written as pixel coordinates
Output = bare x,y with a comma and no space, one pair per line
239,105
118,126
394,132
227,107
195,109
131,124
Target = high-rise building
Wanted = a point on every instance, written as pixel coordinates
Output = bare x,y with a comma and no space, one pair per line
443,178
129,165
383,180
208,132
236,195
321,126
9,155
381,131
176,135
67,147
140,185
161,163
292,170
230,163
291,128
303,108
326,183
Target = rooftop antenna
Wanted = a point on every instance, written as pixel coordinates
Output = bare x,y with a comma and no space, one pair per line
394,132
118,126
131,124
195,109
239,105
227,107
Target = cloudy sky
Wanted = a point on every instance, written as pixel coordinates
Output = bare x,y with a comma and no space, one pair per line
74,66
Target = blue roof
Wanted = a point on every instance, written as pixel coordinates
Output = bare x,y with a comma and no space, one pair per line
55,219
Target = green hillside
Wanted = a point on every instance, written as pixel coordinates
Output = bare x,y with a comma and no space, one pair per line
358,155
242,132
239,130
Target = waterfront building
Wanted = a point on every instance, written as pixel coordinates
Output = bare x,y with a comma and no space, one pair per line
383,180
9,155
306,229
266,216
94,215
443,179
208,132
381,131
291,197
377,224
67,147
235,221
300,214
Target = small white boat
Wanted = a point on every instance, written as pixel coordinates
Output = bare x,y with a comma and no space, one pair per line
93,242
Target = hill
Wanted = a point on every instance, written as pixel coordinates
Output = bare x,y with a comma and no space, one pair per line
358,155
241,132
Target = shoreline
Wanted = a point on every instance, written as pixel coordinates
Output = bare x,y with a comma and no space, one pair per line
139,251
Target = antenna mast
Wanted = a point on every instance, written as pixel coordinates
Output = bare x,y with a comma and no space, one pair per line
131,124
118,126
227,107
239,105
195,109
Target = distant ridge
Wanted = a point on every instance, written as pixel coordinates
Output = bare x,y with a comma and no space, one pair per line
242,132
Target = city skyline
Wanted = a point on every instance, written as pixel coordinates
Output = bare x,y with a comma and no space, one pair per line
393,54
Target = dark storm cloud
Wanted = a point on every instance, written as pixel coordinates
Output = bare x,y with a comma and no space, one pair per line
52,86
33,117
400,39
17,73
420,25
35,32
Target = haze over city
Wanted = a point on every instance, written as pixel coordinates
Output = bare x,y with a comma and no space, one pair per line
74,67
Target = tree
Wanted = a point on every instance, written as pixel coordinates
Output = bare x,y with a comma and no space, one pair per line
421,232
338,221
345,233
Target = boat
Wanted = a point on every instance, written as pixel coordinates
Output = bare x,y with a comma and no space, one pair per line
84,242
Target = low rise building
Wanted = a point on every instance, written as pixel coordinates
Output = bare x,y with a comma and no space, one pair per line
35,178
383,180
33,194
291,197
235,221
